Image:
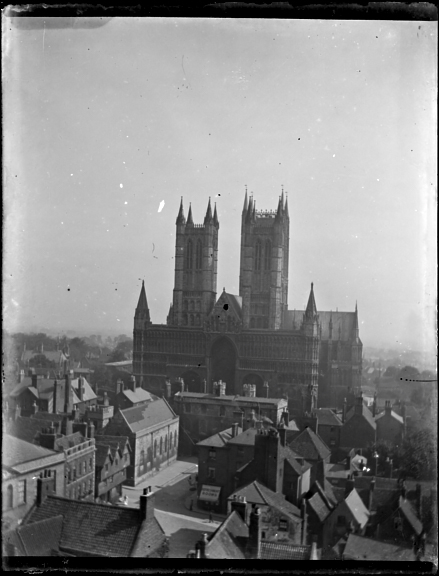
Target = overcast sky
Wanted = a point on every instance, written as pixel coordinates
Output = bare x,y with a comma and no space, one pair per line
103,123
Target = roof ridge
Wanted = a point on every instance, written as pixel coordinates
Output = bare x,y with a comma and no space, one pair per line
257,486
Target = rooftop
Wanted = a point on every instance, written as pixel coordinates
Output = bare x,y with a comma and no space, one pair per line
326,417
357,508
361,548
230,398
16,451
257,493
220,439
310,446
392,415
147,415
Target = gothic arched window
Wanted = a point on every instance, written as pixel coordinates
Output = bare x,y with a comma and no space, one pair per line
166,444
267,255
175,440
155,447
258,254
198,255
184,319
170,441
161,446
10,497
189,255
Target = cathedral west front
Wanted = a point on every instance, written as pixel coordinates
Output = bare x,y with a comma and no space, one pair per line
310,357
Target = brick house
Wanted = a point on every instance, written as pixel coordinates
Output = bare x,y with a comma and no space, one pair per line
65,527
112,460
280,520
202,415
152,431
359,428
22,463
389,425
131,395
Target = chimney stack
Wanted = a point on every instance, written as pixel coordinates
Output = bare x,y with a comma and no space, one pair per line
167,388
235,427
91,430
80,389
201,546
106,399
34,381
119,386
387,408
133,383
45,486
343,415
68,394
182,384
286,417
147,504
314,554
253,549
239,504
282,433
359,404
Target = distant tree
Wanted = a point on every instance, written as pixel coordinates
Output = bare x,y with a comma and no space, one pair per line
409,373
78,348
41,361
117,355
417,455
391,372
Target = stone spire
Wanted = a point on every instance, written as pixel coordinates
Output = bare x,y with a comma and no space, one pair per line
208,217
180,218
286,207
142,305
245,208
189,221
215,217
250,210
311,308
355,328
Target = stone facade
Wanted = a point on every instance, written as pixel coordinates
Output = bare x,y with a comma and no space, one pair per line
251,338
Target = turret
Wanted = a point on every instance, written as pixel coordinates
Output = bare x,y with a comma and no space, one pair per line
310,318
189,222
181,220
208,218
215,218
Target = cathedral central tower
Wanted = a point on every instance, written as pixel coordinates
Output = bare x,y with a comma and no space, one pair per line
263,279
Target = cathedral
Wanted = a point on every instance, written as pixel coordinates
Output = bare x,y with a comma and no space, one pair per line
309,357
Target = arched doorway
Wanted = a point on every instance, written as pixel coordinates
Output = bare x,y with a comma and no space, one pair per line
192,381
223,357
257,380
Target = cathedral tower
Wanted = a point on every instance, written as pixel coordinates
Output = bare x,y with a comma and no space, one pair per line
196,261
263,279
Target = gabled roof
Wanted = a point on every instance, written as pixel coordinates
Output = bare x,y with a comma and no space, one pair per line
366,414
257,493
278,551
229,540
326,417
233,301
409,514
219,440
357,508
95,529
246,438
361,548
296,462
147,415
40,538
103,452
310,446
392,415
319,506
342,323
45,389
27,429
230,397
16,451
140,395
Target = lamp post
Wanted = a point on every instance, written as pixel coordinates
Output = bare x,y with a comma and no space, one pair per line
376,456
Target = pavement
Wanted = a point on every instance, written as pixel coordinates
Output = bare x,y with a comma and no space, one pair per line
174,488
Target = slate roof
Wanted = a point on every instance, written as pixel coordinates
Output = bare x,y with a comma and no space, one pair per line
357,508
16,451
344,320
361,548
365,413
310,446
392,414
27,429
410,515
113,442
66,442
96,529
40,538
257,493
326,417
229,540
142,417
297,463
220,439
45,389
236,303
246,438
102,453
278,551
140,395
230,397
319,506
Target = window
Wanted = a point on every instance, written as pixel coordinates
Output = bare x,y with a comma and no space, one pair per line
397,522
69,475
142,457
10,497
211,473
264,534
155,448
166,443
189,255
175,440
258,251
90,485
84,467
170,441
22,492
199,255
74,472
212,454
283,524
161,446
332,428
267,255
90,464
